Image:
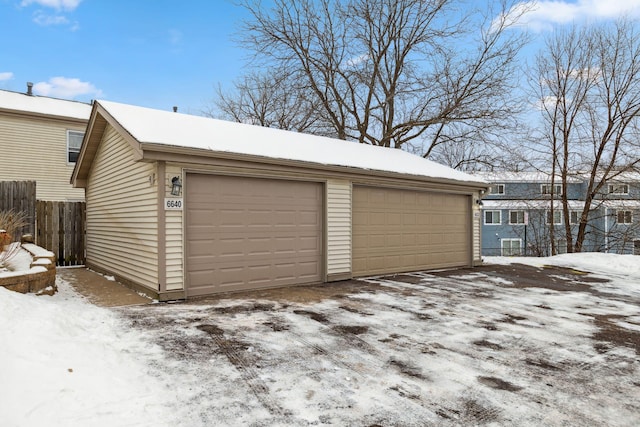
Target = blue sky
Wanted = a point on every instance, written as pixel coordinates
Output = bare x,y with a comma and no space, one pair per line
155,53
161,53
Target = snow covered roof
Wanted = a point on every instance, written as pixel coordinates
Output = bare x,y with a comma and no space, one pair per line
149,126
545,204
533,176
529,204
17,101
499,177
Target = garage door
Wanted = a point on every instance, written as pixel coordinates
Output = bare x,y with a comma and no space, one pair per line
402,230
251,233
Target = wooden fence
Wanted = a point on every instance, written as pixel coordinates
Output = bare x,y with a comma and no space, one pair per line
21,197
61,229
57,226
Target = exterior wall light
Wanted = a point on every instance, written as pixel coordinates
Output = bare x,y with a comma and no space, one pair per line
176,186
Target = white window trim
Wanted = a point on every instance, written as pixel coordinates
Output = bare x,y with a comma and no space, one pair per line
622,193
555,193
510,240
630,216
484,219
523,217
548,212
498,186
578,213
69,132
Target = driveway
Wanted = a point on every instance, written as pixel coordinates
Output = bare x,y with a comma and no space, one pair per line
496,345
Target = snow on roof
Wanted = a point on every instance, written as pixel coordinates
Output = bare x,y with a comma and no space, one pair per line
182,130
530,204
43,105
533,176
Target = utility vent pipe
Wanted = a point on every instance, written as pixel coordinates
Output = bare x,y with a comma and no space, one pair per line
29,88
175,109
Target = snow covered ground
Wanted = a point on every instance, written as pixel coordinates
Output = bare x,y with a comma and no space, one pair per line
503,344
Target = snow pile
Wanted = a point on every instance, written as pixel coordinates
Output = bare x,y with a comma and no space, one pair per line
627,265
19,261
65,362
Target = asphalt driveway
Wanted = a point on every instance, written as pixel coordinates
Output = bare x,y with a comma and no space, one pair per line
496,345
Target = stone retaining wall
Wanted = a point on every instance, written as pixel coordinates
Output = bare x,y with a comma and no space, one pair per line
40,278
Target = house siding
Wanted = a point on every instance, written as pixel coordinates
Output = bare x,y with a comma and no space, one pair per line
338,228
477,235
122,213
35,149
602,232
174,240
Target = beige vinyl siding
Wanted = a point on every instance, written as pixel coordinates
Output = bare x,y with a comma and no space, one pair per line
175,273
338,227
477,238
35,149
122,213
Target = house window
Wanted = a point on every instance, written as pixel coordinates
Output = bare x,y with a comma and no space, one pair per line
516,217
492,217
618,188
624,217
574,217
511,247
497,189
636,247
557,217
545,189
74,141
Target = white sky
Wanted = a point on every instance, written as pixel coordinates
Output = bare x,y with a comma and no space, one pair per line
545,14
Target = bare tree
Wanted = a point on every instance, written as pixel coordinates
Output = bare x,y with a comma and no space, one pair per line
271,98
415,74
588,86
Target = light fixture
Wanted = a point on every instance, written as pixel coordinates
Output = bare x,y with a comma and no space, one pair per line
479,202
176,186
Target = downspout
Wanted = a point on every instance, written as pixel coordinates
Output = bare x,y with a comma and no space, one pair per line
606,230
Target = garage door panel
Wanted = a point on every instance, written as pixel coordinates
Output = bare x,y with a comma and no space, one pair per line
247,233
403,230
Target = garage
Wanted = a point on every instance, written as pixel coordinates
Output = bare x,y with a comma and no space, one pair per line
182,206
251,233
396,230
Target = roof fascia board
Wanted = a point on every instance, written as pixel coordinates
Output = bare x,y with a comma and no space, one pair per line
194,156
96,127
133,142
42,116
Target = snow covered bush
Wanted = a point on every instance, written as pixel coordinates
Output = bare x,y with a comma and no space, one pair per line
10,222
12,256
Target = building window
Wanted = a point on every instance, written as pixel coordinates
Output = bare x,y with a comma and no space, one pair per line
74,142
574,217
636,247
618,189
624,217
557,217
545,189
492,217
511,247
497,189
516,217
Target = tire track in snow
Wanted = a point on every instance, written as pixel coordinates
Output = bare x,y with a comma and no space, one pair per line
258,387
